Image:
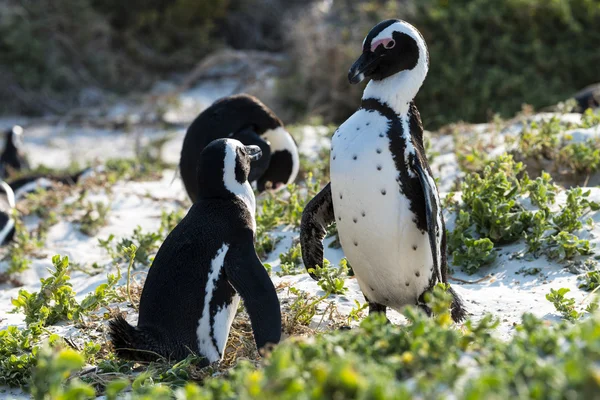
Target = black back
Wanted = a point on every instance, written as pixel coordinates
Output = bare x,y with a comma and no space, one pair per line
173,297
224,118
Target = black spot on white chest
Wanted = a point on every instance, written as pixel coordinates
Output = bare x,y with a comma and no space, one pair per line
375,218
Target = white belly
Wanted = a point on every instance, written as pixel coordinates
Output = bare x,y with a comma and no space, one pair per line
391,258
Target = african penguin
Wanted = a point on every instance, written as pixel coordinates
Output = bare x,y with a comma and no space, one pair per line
7,205
245,118
382,194
31,182
206,263
12,158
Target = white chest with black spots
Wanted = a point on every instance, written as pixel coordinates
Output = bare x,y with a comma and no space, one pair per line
390,256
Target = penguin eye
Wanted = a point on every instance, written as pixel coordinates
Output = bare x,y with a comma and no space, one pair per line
390,44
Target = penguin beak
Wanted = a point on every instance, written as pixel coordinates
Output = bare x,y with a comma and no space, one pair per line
254,152
363,67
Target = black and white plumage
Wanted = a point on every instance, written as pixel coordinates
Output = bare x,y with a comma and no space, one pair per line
382,194
207,262
245,118
34,181
12,158
7,205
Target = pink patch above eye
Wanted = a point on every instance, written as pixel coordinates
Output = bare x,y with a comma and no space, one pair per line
388,43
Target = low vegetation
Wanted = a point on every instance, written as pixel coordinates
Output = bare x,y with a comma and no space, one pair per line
494,212
501,202
428,357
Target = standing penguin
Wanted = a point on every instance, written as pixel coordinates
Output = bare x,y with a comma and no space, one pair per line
245,118
382,194
12,158
193,288
7,205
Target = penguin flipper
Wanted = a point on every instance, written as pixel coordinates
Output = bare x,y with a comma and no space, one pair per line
316,217
433,210
435,225
249,137
249,278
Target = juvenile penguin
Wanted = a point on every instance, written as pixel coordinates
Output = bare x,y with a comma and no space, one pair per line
7,205
206,263
382,194
245,118
12,158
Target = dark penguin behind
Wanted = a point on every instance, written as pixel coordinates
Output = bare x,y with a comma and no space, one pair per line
191,291
12,158
245,118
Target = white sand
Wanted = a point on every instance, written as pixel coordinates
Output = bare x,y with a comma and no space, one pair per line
507,295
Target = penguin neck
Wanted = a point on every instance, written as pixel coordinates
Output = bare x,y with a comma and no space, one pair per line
399,90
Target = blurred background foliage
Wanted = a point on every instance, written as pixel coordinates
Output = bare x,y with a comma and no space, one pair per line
487,56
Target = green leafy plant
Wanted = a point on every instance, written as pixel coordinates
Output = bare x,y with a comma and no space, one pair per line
331,279
94,217
48,376
169,220
279,209
356,313
494,213
23,244
564,246
474,253
577,206
17,354
290,261
590,280
56,301
590,118
580,158
146,245
104,294
265,243
541,139
304,307
564,305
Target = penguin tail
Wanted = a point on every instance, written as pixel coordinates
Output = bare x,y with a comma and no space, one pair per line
133,343
457,310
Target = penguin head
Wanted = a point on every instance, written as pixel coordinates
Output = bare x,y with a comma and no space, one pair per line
391,47
224,167
284,163
13,137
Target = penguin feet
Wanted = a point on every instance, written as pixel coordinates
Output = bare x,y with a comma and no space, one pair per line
377,308
425,308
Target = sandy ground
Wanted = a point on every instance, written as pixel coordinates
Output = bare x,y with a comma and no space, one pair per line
505,292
